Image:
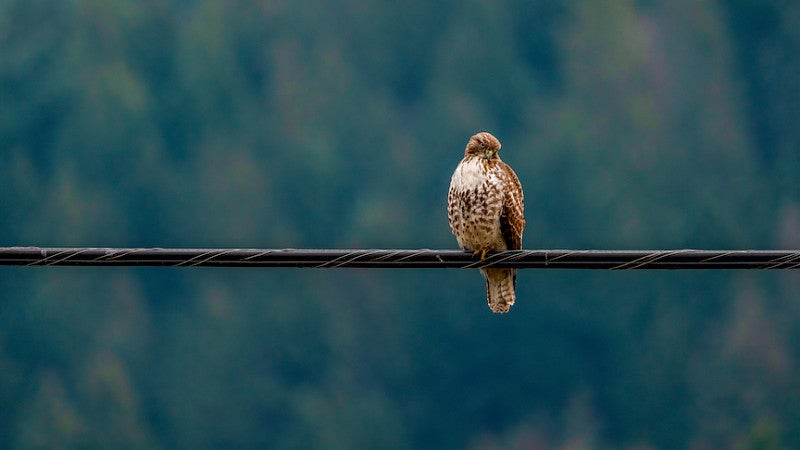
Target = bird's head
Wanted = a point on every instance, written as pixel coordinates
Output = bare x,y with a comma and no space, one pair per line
483,145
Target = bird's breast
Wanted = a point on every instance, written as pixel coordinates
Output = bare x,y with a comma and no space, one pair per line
475,204
470,174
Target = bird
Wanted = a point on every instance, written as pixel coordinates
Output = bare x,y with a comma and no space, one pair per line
485,208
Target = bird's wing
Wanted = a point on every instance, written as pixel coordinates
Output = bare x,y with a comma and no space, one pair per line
512,218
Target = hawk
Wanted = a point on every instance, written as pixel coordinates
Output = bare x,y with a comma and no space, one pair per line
486,212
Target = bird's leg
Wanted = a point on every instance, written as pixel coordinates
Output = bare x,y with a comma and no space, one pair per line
480,252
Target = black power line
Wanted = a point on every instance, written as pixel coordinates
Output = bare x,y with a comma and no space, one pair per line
422,258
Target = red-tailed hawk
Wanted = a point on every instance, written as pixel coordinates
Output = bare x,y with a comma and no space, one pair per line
485,208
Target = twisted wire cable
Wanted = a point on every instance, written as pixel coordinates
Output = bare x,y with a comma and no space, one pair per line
402,258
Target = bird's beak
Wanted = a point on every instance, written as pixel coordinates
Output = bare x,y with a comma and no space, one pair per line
488,154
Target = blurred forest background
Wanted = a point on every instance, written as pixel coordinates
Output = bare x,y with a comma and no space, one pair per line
336,124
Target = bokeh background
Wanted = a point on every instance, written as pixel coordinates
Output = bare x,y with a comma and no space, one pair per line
337,124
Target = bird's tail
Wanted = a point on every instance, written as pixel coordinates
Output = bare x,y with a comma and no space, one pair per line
500,288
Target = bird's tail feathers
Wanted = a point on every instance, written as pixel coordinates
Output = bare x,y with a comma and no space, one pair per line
500,288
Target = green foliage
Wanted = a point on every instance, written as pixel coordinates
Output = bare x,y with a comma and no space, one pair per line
268,124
